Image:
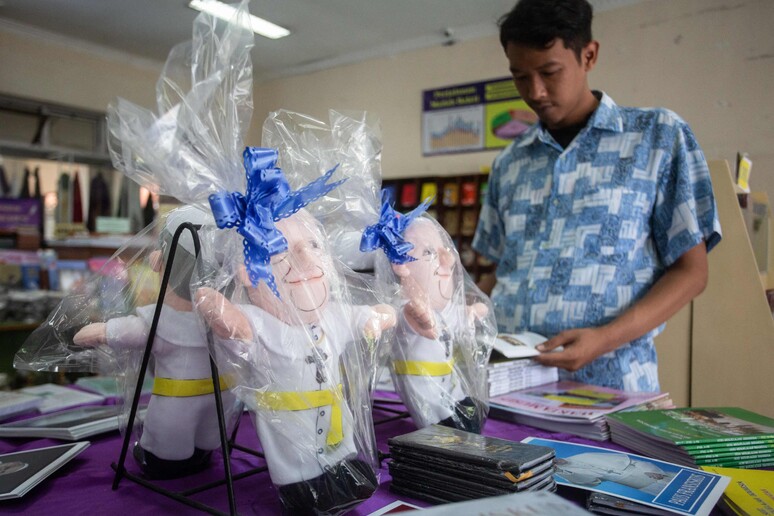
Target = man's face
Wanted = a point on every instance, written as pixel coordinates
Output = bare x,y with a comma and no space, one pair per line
552,81
432,274
301,274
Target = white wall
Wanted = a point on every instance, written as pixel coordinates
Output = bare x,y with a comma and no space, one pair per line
712,61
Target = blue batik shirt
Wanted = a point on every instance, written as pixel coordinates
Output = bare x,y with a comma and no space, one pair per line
580,234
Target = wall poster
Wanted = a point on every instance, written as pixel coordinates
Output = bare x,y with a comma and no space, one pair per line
473,117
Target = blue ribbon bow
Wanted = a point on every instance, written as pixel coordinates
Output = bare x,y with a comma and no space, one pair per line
388,233
268,199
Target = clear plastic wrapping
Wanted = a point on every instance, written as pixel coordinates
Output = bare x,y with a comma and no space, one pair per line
188,149
446,326
298,358
266,297
349,141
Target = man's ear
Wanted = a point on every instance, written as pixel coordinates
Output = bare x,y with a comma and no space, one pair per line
589,55
400,270
155,260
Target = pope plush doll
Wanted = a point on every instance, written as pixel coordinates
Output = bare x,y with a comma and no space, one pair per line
438,358
292,334
180,428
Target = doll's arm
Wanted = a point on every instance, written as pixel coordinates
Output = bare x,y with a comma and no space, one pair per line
91,335
383,318
125,332
420,318
226,320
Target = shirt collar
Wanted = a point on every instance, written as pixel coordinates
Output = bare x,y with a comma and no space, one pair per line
606,117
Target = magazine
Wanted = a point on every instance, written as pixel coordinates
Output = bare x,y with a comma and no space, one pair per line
13,403
565,400
57,397
21,471
518,345
69,425
639,479
750,491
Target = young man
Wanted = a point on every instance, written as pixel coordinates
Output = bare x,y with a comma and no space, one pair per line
599,217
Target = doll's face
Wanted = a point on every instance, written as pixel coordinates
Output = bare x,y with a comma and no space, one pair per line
433,270
301,274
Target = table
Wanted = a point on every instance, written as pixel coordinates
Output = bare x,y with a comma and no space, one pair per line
84,485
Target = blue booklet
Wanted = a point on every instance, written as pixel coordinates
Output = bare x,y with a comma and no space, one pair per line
639,479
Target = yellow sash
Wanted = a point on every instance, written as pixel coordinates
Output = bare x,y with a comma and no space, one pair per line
186,388
305,400
418,368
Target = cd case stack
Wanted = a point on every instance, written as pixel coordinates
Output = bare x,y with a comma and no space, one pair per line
443,465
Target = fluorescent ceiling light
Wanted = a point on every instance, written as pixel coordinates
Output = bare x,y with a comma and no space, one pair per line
220,10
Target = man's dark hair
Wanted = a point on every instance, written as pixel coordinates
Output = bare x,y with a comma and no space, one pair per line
536,23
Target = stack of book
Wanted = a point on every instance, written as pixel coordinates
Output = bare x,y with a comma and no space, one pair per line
572,407
716,436
511,367
443,465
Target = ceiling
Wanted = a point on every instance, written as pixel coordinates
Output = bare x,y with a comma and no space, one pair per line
325,33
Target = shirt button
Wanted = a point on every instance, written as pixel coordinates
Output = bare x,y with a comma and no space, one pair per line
556,202
320,451
319,431
322,412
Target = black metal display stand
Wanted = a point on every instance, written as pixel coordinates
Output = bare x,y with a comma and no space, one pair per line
227,444
388,405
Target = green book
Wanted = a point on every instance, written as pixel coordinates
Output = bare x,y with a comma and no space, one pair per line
691,426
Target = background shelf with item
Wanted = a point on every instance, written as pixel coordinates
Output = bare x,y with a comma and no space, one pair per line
456,207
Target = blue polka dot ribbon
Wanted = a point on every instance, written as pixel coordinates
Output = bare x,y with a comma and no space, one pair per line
388,232
268,199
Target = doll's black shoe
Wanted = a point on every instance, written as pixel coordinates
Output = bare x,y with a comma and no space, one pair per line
162,469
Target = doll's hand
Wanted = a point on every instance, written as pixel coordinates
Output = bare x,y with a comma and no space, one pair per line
226,321
421,318
384,318
91,335
476,312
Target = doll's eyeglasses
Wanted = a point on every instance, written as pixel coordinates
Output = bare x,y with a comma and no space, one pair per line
430,254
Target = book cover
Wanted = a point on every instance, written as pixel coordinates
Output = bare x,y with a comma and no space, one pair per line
481,450
571,400
639,479
13,403
505,479
685,426
69,424
56,397
518,345
21,471
606,504
750,491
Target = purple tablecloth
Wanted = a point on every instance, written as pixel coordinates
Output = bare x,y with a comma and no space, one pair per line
84,486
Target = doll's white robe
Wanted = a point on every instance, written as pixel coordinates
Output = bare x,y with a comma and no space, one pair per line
174,425
429,398
296,442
